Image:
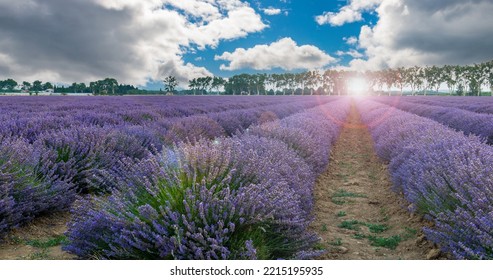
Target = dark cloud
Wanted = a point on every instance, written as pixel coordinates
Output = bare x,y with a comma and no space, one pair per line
78,38
131,40
420,32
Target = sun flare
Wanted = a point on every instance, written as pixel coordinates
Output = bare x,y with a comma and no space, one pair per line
357,86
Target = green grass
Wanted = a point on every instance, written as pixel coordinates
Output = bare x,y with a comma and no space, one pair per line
383,212
338,201
52,242
409,233
341,214
344,193
319,246
350,224
386,242
324,227
40,255
336,242
377,228
359,236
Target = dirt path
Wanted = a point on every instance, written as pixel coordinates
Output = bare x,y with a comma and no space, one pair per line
41,239
356,213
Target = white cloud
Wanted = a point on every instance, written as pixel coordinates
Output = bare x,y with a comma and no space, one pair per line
350,13
351,40
272,11
352,53
131,40
419,32
284,54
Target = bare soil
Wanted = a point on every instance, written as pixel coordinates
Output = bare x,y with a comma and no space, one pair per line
41,239
357,215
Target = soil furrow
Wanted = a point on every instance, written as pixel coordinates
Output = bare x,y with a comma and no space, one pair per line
357,215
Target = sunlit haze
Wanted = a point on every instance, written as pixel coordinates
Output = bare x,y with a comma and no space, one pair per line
357,86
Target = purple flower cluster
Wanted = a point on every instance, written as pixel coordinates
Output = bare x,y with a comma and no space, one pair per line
29,185
245,197
459,119
446,175
482,105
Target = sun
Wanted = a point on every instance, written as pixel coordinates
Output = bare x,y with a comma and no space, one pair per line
357,86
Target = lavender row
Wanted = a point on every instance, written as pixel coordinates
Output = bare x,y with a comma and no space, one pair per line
244,197
31,117
465,121
70,161
444,174
482,105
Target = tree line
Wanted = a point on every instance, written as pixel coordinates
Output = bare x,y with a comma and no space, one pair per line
460,80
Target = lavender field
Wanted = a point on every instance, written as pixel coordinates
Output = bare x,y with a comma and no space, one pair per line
210,177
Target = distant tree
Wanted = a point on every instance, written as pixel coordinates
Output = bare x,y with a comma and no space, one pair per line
9,84
204,84
94,86
488,72
193,85
47,86
448,75
170,84
37,86
26,85
400,78
81,87
217,82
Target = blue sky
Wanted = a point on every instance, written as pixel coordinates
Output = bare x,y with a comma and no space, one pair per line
296,21
140,42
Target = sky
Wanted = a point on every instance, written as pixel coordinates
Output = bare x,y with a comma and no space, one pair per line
140,42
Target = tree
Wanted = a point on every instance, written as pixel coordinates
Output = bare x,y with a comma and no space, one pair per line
401,78
37,86
204,84
26,85
489,75
47,86
170,84
217,82
193,85
9,84
449,78
313,80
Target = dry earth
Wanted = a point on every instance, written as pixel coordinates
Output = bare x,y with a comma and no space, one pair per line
357,215
41,239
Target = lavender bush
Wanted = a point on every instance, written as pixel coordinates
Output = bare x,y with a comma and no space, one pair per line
192,202
29,186
443,173
244,197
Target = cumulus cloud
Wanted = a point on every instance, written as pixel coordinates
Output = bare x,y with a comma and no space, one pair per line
271,11
352,53
420,32
351,40
284,54
352,12
131,40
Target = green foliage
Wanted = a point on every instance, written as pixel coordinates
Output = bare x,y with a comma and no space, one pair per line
350,224
336,242
344,193
51,242
386,242
341,214
377,228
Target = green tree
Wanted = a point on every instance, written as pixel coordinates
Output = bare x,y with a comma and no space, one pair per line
37,86
217,82
26,85
170,83
9,84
